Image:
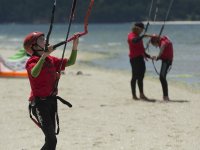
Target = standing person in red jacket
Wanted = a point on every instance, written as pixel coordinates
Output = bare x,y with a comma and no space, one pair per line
166,56
137,55
43,73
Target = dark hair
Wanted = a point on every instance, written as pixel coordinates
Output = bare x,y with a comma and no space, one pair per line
155,39
139,24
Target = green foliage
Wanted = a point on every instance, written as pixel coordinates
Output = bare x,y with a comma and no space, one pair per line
39,11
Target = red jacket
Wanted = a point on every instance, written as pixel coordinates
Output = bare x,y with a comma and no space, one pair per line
167,53
43,85
135,49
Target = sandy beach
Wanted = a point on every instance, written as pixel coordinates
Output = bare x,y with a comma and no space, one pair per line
103,116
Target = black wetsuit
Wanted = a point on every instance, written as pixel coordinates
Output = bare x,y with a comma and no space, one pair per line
138,69
45,112
166,64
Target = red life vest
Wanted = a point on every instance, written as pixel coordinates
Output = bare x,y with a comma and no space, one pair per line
43,85
135,49
168,50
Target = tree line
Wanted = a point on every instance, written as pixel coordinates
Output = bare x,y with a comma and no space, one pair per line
104,11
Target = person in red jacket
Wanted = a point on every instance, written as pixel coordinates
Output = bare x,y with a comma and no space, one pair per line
43,74
137,55
166,56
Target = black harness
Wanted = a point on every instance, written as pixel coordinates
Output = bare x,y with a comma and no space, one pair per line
33,103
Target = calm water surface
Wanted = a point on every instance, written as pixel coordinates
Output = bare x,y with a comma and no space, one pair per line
111,41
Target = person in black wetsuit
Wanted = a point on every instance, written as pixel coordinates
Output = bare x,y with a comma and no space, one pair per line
137,55
166,56
43,72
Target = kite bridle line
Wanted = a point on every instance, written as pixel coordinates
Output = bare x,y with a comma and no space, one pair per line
146,28
80,33
155,68
50,27
166,17
74,36
68,30
65,44
156,11
45,49
150,10
161,30
155,17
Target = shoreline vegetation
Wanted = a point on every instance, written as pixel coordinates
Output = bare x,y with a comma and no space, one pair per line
103,11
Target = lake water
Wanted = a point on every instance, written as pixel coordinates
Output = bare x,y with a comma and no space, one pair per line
110,40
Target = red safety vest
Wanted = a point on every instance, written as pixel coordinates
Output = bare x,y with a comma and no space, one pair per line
168,50
43,85
135,49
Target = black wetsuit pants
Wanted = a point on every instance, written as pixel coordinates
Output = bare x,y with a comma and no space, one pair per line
163,74
45,111
138,71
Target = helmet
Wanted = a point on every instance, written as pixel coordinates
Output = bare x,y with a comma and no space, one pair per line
154,39
30,40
